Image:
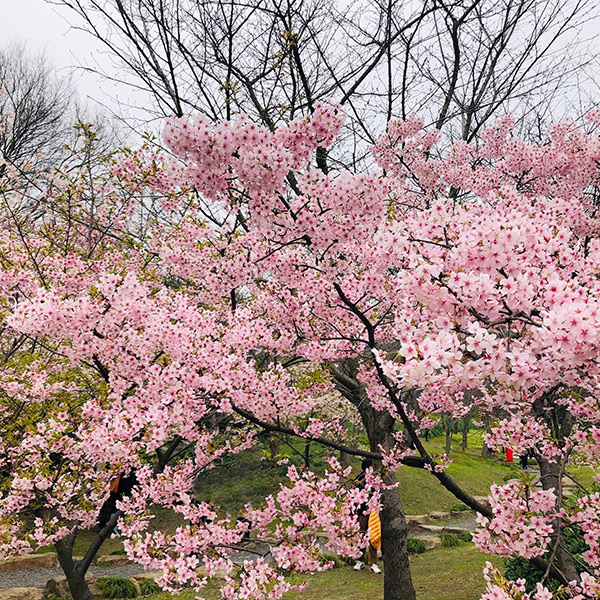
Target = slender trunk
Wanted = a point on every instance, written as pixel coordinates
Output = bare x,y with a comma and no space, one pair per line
307,454
485,451
73,571
448,436
274,446
551,477
397,581
345,459
465,432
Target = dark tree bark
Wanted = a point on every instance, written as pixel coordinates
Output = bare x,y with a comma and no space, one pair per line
551,478
345,459
397,581
274,446
307,454
448,427
75,575
465,432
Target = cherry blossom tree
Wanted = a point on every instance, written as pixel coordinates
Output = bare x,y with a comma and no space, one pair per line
451,284
466,283
108,367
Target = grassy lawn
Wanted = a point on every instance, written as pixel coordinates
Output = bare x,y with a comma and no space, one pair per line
421,492
443,574
245,478
248,479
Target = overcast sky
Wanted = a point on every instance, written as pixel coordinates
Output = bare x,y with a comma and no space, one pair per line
44,28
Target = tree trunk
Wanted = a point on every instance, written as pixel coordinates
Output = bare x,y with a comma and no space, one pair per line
307,454
274,446
551,477
448,437
345,459
397,580
380,426
74,572
485,451
465,432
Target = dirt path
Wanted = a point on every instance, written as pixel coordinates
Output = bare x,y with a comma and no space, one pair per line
39,577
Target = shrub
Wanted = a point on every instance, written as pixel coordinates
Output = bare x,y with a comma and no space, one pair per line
450,540
415,545
149,587
117,587
336,559
465,536
521,568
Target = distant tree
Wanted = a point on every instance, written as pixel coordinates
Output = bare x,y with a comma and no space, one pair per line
37,110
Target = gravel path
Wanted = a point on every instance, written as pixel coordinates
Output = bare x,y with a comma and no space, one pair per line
39,577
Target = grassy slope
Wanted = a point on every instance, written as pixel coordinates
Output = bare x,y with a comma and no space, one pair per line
422,493
248,479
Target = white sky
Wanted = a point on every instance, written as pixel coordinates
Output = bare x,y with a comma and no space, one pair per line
44,28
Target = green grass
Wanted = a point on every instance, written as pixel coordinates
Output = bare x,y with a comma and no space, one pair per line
248,479
421,492
116,587
442,574
243,479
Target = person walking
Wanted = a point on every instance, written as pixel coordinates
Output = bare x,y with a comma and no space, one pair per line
368,522
120,487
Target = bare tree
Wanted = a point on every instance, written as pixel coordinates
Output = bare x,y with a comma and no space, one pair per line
36,110
458,63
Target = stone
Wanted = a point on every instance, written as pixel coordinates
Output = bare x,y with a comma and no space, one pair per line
48,560
431,541
440,514
59,586
437,529
418,519
21,594
113,560
147,575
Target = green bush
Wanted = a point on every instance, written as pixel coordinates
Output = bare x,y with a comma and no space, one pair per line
336,559
465,536
149,587
415,545
450,540
117,587
460,507
521,568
